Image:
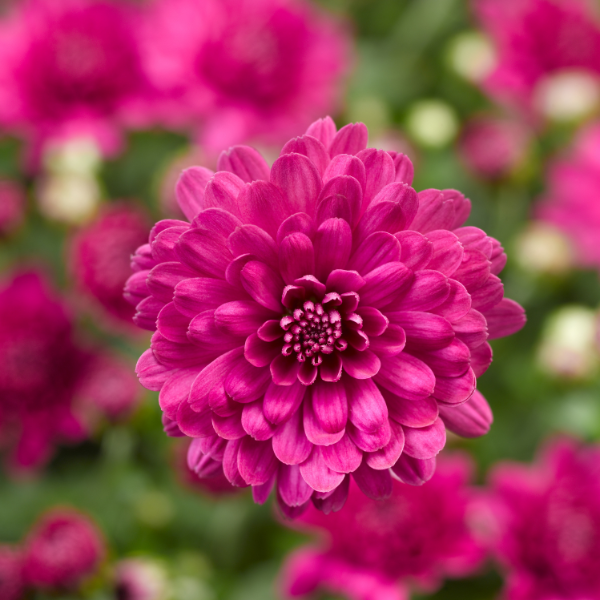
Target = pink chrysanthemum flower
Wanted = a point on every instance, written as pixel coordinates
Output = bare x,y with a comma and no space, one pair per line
63,548
11,574
536,40
546,523
319,319
71,68
244,69
374,550
100,255
571,202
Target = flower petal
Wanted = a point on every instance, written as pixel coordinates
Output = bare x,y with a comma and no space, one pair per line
447,252
360,365
417,250
424,331
296,257
343,456
151,373
189,190
414,471
290,444
367,409
374,484
230,463
413,414
260,353
323,130
311,147
386,285
455,390
246,382
193,296
294,491
350,139
241,317
254,422
284,370
172,324
317,474
262,203
330,405
504,319
425,442
471,419
222,191
204,251
176,390
333,242
250,239
451,361
297,177
256,461
263,284
376,250
281,402
298,223
388,456
380,171
341,197
406,376
245,162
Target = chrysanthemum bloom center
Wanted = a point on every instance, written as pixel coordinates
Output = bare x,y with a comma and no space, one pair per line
311,332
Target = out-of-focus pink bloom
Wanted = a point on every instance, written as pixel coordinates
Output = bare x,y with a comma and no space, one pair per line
140,579
571,202
244,69
535,40
100,256
11,574
12,206
71,68
62,549
40,366
109,387
545,523
320,319
493,147
374,549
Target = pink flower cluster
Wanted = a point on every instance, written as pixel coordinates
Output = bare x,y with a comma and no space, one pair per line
535,39
319,320
373,550
545,523
61,550
571,202
46,375
232,70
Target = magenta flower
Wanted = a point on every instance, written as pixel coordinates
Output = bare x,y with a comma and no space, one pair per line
71,68
536,39
64,548
244,69
571,202
373,550
546,519
319,319
100,255
11,574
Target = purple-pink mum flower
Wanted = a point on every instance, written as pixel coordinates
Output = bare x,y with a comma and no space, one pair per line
71,68
61,550
319,320
12,584
545,521
536,39
571,200
376,550
236,70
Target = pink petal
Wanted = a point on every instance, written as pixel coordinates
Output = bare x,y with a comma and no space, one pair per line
194,424
471,329
447,252
388,456
457,303
374,322
417,250
317,474
413,414
147,313
312,286
360,365
190,190
163,278
222,191
296,257
376,250
390,343
208,339
343,456
474,270
424,331
290,444
455,390
451,361
135,287
504,319
298,223
212,446
263,204
230,463
481,359
386,285
204,466
176,390
256,461
281,402
204,251
311,147
229,428
294,491
307,374
435,212
217,220
323,130
261,493
462,207
254,422
367,409
151,373
425,442
180,356
428,290
291,512
164,244
241,317
263,284
193,296
374,484
370,442
233,272
270,331
250,239
471,419
220,402
172,324
473,238
245,162
246,382
331,368
318,429
162,226
413,471
284,370
330,406
342,281
403,166
346,165
260,353
350,139
488,295
297,177
341,198
334,500
380,171
406,376
333,242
